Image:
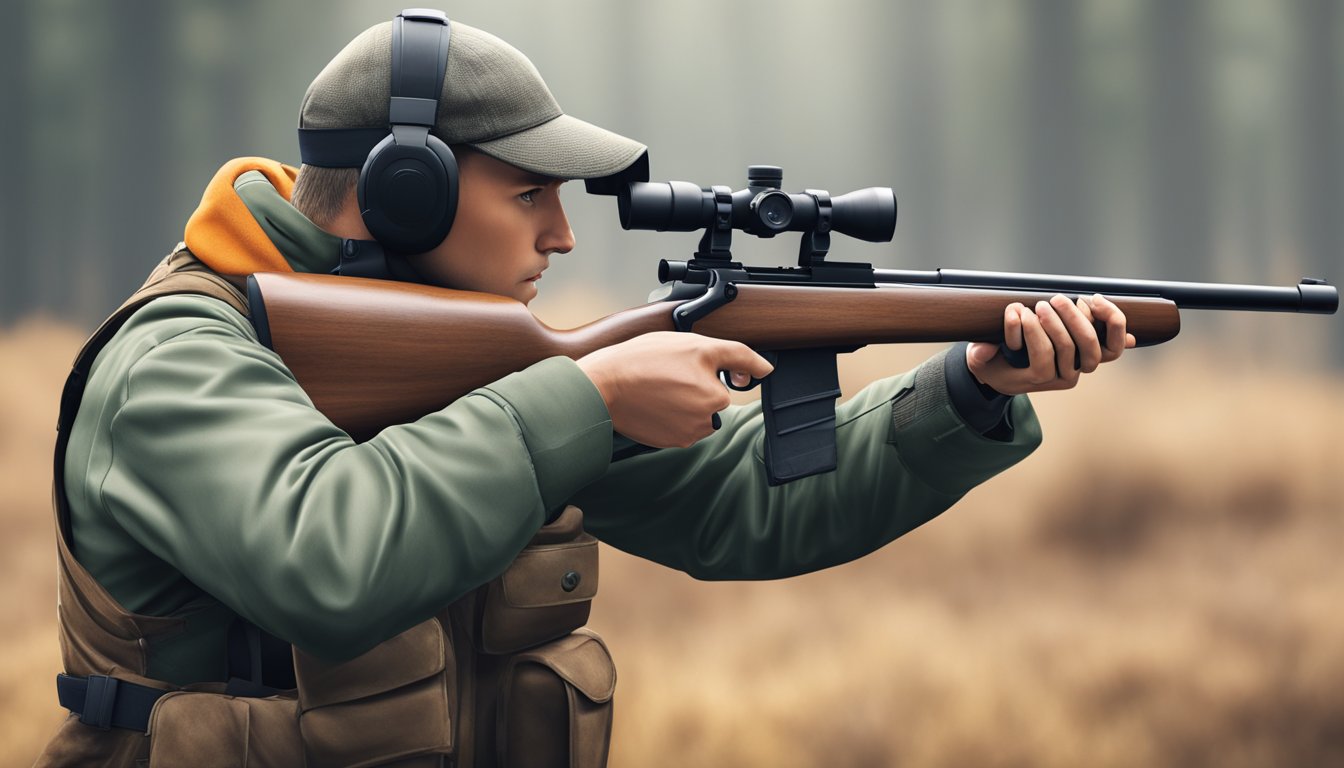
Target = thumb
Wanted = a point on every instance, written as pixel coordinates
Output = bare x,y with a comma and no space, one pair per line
981,353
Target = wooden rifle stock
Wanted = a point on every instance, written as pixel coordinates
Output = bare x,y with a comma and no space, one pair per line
372,353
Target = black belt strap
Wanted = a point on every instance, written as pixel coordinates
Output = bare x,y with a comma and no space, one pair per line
106,702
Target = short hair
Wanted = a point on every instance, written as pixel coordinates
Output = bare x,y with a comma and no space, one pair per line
319,193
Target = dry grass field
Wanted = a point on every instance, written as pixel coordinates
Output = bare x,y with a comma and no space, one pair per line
1159,585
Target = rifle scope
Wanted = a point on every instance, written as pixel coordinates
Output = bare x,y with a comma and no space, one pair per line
762,209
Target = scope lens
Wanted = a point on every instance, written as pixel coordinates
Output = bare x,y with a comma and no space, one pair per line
773,209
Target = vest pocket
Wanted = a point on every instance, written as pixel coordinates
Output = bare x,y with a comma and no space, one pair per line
555,705
396,701
546,593
193,729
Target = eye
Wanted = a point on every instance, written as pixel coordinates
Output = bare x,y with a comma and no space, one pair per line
530,195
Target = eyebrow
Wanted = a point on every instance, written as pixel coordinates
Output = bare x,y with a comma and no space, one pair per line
536,179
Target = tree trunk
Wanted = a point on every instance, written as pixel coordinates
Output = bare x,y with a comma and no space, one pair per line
1178,191
1318,158
1055,207
15,128
135,200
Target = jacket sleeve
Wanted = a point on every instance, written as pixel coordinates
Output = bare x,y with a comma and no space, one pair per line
905,455
217,462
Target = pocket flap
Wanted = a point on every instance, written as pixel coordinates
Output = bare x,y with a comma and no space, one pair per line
582,660
401,660
212,730
552,574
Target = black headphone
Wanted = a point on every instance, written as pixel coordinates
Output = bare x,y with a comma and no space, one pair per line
408,185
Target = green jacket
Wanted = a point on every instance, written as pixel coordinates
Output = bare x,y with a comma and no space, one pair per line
203,483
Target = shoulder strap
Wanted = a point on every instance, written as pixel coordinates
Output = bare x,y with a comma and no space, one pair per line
98,636
179,273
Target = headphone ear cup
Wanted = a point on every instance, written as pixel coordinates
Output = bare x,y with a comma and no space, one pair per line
449,162
408,194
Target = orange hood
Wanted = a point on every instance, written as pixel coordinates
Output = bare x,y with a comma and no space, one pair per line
224,234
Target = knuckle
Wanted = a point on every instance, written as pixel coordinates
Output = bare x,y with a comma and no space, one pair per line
705,356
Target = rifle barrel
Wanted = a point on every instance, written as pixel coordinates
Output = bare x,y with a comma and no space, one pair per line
1308,296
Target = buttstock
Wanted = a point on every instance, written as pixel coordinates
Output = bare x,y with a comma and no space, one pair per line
372,353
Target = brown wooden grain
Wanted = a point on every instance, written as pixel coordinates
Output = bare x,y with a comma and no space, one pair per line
784,317
372,353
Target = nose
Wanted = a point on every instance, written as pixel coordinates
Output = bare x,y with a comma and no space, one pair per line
556,236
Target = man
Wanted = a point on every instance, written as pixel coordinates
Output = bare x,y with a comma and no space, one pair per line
211,517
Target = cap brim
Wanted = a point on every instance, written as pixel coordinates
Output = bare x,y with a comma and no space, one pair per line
566,148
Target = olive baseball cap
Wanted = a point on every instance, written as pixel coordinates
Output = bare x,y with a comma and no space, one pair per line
493,99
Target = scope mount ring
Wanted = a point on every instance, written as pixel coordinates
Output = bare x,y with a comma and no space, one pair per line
716,244
816,243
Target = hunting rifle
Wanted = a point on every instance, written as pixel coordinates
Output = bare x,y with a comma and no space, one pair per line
371,353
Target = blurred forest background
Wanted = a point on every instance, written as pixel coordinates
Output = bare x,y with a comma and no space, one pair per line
1159,585
1132,138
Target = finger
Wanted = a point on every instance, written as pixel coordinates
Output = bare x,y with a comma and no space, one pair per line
1065,350
1098,327
1130,341
1039,349
1116,339
1012,325
740,378
736,356
1088,355
1085,308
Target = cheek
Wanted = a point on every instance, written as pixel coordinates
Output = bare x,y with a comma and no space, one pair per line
484,251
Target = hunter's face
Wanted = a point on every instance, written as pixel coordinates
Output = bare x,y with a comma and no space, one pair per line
509,221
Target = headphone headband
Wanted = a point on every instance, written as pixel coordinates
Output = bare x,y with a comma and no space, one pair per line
419,60
408,182
412,84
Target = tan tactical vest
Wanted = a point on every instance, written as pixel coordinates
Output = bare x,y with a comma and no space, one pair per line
504,676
